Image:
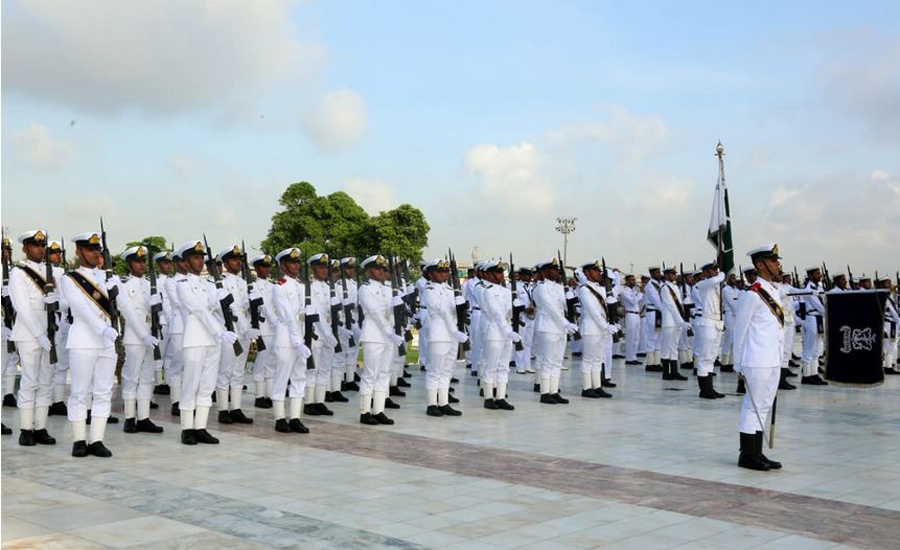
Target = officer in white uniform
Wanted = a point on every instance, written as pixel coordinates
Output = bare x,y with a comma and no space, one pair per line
758,349
350,335
230,379
633,301
61,369
165,270
550,330
10,359
673,323
288,298
204,334
891,327
653,311
730,295
174,355
378,339
438,314
134,301
525,290
710,326
91,343
266,359
813,329
497,336
323,345
596,330
30,296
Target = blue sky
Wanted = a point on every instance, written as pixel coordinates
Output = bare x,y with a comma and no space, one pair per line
493,117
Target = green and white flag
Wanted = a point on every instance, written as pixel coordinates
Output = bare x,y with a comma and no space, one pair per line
719,234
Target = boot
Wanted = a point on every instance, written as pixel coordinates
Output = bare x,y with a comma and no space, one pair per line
705,383
749,457
783,383
712,387
667,370
175,410
741,388
773,465
673,371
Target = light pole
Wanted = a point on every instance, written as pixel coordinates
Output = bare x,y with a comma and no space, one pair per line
565,226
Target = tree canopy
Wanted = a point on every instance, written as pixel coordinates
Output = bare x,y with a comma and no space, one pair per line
337,225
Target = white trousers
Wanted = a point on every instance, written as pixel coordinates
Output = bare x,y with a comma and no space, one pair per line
376,372
290,374
708,342
596,350
93,373
669,343
231,366
551,352
495,362
36,384
762,385
198,381
632,335
813,342
137,372
441,360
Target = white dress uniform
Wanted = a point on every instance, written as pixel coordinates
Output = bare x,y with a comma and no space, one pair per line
673,324
173,359
266,360
497,340
439,316
61,369
526,329
322,346
813,330
653,311
596,333
379,343
420,285
685,339
134,303
347,359
160,373
92,352
288,298
633,300
29,333
204,334
550,330
710,324
230,379
730,295
470,291
787,300
891,329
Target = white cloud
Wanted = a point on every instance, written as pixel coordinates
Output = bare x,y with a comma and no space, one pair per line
372,195
512,176
880,175
163,56
780,195
38,148
338,121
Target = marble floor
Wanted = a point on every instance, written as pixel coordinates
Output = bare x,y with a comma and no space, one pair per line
654,467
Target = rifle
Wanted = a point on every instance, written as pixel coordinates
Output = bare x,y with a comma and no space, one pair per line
155,327
359,310
310,318
255,303
796,278
108,268
224,303
570,296
9,314
411,299
399,309
826,279
517,309
741,269
51,308
335,310
461,307
613,311
348,308
850,278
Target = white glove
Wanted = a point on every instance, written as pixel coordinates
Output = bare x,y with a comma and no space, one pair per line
348,302
571,328
227,337
460,336
110,334
516,338
5,291
255,295
737,367
329,340
345,333
243,325
336,301
296,341
615,329
357,333
51,298
302,351
155,299
7,333
44,342
685,325
396,339
460,300
310,310
253,333
150,341
396,301
221,294
111,283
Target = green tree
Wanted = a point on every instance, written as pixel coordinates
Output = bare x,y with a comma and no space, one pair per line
154,244
401,232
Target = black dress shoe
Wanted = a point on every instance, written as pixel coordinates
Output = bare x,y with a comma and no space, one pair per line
536,388
790,374
450,411
559,399
129,426
238,417
397,392
590,393
281,426
225,418
401,383
4,430
382,418
328,397
26,438
753,462
368,419
162,389
188,437
58,409
641,354
323,410
618,356
204,436
146,425
653,368
154,405
408,375
388,404
350,386
474,373
79,449
607,383
261,403
490,404
338,397
433,410
268,402
602,393
451,389
502,404
43,438
175,410
9,400
297,427
576,354
112,420
727,368
633,363
783,384
97,448
547,400
454,380
677,375
310,409
687,366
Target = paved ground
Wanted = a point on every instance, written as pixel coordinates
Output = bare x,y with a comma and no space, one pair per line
654,467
